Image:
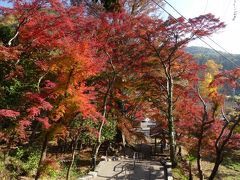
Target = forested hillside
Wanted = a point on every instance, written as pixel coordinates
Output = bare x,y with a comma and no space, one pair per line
203,54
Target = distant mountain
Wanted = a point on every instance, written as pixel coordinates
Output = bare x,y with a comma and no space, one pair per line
203,54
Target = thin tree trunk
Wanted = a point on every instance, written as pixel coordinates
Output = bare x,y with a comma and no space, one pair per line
99,141
190,171
98,144
33,134
123,140
43,156
94,158
204,121
124,143
171,129
155,146
74,147
220,148
218,161
219,156
199,157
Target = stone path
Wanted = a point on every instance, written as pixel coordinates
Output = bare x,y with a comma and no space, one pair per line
125,169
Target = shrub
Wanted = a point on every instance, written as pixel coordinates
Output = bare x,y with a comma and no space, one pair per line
24,162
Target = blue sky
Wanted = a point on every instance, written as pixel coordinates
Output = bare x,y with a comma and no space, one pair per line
229,37
4,3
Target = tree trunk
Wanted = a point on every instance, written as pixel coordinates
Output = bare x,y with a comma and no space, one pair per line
123,140
171,129
33,134
43,156
155,146
190,171
200,138
104,113
124,144
97,146
74,147
94,157
220,148
218,161
199,157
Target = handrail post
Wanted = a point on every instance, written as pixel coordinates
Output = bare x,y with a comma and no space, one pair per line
134,159
125,172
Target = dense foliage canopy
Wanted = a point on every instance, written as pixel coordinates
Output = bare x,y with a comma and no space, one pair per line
84,71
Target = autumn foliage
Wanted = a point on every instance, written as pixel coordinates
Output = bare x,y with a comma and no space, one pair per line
69,71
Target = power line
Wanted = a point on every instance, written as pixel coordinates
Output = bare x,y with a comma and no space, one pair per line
196,34
207,37
200,29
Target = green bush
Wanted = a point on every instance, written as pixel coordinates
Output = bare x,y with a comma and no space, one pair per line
3,171
24,162
179,174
